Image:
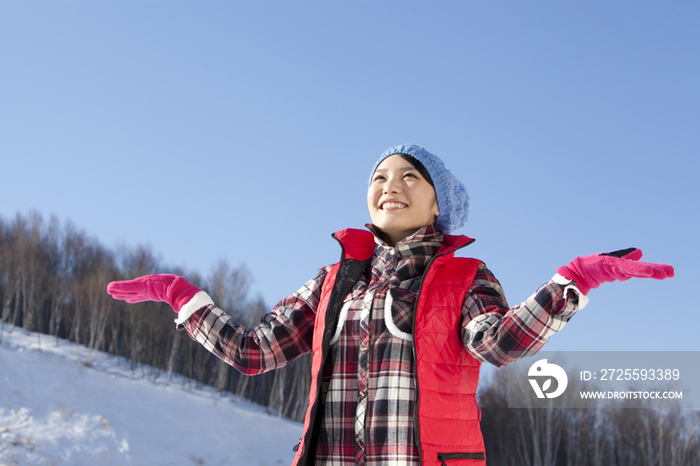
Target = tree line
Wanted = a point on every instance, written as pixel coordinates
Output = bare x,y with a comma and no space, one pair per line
53,278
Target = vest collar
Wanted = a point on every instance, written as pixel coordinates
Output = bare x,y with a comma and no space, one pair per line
359,244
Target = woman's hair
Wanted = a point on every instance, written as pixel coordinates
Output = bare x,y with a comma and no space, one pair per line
418,166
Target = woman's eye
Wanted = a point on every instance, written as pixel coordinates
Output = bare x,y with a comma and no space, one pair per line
377,178
412,175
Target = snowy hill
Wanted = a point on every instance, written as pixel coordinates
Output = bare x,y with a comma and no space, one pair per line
56,411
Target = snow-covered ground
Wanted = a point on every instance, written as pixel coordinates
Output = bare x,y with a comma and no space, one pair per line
56,411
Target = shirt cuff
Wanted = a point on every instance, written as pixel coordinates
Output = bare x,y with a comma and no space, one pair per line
198,301
571,285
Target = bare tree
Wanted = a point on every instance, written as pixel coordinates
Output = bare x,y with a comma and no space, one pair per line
53,279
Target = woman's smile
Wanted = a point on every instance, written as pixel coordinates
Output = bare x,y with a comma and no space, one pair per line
392,205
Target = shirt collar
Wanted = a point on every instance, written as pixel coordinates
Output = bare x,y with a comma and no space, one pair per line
429,234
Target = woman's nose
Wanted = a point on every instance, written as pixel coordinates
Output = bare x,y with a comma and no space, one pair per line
391,186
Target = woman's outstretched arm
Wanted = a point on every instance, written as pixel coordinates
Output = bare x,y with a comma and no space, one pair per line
493,332
281,336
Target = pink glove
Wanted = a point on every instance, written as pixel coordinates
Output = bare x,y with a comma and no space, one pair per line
590,271
166,288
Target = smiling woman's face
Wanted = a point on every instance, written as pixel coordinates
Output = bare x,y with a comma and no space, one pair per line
400,200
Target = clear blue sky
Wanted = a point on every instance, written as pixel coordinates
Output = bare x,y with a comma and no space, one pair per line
246,130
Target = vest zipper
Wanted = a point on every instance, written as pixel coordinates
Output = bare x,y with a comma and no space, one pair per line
460,456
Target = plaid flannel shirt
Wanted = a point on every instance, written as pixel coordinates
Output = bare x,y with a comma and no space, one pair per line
367,386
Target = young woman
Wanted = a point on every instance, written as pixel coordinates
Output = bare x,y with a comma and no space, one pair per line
398,327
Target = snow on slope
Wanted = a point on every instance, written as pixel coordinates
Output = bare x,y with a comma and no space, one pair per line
56,411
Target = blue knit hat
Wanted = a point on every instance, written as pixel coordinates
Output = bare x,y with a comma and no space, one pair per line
452,196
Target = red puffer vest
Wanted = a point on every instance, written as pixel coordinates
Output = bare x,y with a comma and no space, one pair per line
447,376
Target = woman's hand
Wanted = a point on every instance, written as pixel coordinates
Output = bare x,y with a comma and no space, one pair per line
171,289
590,271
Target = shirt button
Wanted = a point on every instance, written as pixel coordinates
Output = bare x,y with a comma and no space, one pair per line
392,251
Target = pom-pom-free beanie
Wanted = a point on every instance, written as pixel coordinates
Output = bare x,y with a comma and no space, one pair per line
452,196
